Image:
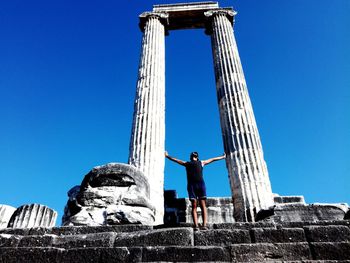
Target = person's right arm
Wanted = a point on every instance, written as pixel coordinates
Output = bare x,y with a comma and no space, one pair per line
174,159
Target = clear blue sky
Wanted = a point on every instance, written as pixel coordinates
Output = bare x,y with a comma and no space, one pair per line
68,71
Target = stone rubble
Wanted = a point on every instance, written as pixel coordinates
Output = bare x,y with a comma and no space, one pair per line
110,194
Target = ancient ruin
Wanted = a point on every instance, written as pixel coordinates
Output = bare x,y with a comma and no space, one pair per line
133,193
249,180
120,213
248,176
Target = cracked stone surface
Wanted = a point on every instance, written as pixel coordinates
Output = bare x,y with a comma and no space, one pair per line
110,194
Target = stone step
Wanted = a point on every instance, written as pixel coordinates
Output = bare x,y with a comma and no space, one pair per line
264,224
146,236
75,230
279,252
146,243
161,237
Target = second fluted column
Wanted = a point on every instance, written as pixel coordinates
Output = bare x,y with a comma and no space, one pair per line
249,180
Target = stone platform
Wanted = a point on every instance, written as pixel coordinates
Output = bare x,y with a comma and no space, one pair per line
324,241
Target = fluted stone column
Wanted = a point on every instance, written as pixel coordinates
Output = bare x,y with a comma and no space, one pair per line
33,215
249,180
148,130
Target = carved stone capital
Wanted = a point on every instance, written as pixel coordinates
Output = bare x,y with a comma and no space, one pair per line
229,13
161,16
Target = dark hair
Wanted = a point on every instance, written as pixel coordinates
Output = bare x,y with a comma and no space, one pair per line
194,154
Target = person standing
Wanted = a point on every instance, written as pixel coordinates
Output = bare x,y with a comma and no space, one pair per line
195,184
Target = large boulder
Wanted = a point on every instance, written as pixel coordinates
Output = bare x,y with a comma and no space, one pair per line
110,194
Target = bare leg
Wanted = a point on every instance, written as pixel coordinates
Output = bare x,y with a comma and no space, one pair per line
194,212
202,203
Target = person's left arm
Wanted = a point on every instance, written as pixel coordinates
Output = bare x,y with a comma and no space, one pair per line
205,162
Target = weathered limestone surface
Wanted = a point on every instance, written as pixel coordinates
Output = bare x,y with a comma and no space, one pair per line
33,215
273,235
260,252
334,233
110,194
299,212
6,212
148,130
288,199
326,241
247,169
221,237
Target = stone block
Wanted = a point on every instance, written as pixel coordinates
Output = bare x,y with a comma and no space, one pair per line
121,254
171,217
160,237
305,213
221,237
301,224
36,241
327,233
330,250
273,235
269,252
76,230
7,240
243,225
170,197
185,254
101,254
82,241
15,231
289,199
182,203
29,255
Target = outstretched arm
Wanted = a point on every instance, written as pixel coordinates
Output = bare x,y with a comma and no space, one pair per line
205,162
174,159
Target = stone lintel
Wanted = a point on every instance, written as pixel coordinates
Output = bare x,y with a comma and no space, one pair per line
185,6
185,15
